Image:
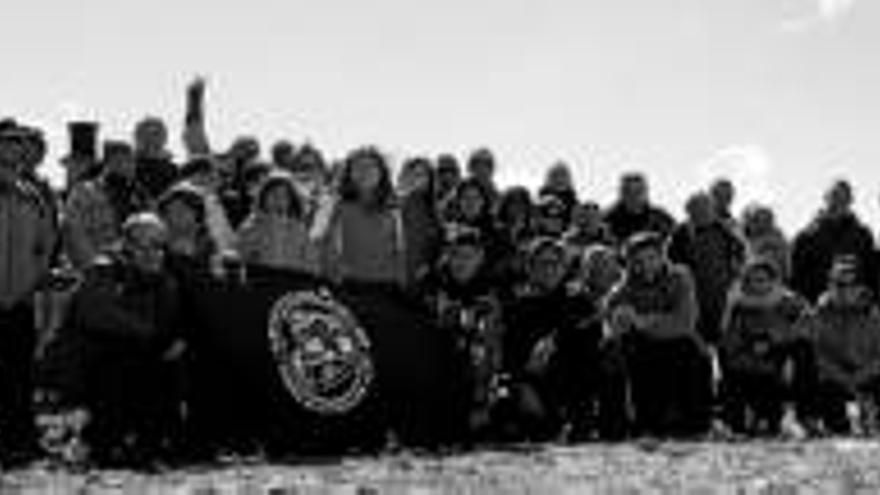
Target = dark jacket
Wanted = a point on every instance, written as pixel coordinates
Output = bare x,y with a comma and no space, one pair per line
714,255
816,247
758,331
625,223
422,233
155,174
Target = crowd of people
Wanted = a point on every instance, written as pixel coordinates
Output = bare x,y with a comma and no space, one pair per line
570,319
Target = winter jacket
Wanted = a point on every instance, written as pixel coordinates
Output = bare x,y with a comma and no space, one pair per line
27,237
826,238
757,331
846,336
624,223
714,255
155,174
278,242
570,320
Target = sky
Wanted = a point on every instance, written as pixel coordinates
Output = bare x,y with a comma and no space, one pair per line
781,95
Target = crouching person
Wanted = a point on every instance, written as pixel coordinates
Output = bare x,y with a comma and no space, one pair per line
464,302
845,328
652,315
765,357
126,314
552,349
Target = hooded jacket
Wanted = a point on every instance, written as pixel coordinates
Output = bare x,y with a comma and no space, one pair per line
278,241
756,330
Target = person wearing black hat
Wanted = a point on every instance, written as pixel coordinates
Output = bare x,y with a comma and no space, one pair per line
652,314
81,161
27,236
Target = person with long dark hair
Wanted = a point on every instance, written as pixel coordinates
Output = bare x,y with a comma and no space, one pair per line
364,241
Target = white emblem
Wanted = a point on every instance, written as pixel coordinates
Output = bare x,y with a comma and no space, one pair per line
322,353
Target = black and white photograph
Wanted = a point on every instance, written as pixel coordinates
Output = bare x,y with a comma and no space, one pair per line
439,247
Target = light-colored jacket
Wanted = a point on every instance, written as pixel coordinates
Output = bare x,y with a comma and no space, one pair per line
278,242
91,225
27,235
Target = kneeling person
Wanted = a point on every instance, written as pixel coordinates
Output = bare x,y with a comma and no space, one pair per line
652,314
126,315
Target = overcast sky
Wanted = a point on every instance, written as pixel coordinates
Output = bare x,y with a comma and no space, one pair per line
781,94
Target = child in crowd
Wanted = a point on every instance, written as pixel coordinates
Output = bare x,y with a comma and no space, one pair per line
764,354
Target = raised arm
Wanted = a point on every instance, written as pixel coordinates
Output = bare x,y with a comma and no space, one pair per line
195,133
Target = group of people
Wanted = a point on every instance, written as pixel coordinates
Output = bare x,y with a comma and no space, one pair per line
569,319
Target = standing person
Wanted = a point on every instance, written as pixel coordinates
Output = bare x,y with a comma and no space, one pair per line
448,176
363,241
96,208
514,228
765,239
276,233
634,213
766,357
127,315
844,328
723,194
714,255
421,220
481,167
26,239
155,168
559,182
652,315
836,231
81,161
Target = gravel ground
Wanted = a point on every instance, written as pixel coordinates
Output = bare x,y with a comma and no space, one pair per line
826,467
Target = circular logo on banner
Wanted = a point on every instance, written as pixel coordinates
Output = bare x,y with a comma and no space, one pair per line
321,351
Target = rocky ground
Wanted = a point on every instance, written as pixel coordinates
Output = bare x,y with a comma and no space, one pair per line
824,467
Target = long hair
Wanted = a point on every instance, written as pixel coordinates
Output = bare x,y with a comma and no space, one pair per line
383,196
